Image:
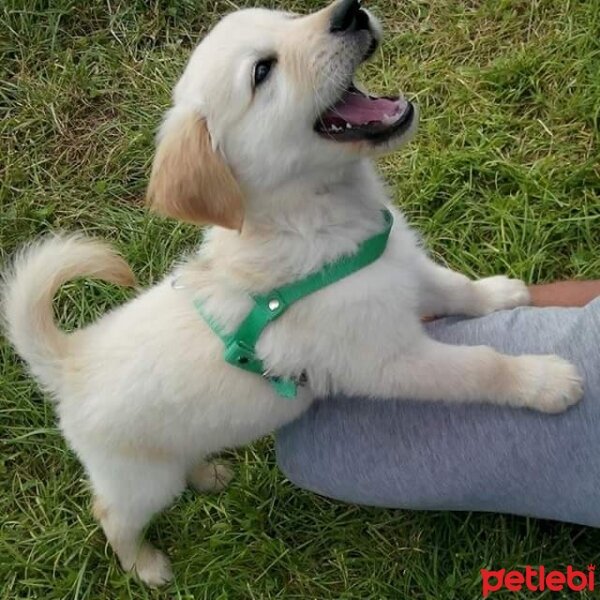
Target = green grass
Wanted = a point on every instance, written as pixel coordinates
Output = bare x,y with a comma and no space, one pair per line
503,177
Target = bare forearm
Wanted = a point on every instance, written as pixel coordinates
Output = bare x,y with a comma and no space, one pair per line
564,293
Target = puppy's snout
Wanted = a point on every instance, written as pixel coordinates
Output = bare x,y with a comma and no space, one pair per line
348,16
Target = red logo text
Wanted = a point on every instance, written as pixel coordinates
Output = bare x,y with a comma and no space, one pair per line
538,579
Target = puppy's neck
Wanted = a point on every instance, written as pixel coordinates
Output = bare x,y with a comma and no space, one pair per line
311,202
299,227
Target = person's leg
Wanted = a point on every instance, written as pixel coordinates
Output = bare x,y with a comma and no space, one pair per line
438,456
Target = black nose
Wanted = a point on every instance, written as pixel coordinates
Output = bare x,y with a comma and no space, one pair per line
347,16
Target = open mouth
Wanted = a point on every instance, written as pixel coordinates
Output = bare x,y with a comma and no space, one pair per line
357,116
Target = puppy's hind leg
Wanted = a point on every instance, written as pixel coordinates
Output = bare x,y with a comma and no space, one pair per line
210,476
128,492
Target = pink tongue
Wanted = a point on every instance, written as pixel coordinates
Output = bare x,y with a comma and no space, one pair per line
358,109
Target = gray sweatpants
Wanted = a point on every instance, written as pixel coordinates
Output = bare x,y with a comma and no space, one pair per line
432,455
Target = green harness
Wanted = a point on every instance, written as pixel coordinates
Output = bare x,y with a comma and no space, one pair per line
240,346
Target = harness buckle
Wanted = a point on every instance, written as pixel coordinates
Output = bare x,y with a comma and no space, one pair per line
241,355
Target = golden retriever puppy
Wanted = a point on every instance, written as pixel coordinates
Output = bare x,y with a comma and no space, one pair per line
270,142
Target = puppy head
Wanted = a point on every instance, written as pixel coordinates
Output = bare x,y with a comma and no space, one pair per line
266,98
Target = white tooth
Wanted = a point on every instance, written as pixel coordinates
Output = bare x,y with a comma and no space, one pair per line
388,119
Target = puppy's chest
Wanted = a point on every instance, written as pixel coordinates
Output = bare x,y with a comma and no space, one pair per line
363,314
324,332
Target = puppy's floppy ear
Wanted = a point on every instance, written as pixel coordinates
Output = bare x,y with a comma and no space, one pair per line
190,180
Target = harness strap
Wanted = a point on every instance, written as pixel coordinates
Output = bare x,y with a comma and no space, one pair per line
240,345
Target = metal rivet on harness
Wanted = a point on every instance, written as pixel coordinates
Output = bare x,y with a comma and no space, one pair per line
274,304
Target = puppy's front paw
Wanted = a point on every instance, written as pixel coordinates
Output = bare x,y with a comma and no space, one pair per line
499,293
553,384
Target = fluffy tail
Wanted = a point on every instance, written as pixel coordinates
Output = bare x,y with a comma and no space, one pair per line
29,287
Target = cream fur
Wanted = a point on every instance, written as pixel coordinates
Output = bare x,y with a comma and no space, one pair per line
144,396
190,181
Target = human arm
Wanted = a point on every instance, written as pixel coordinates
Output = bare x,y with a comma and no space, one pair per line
564,293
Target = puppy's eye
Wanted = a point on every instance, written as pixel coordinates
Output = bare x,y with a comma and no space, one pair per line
261,70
